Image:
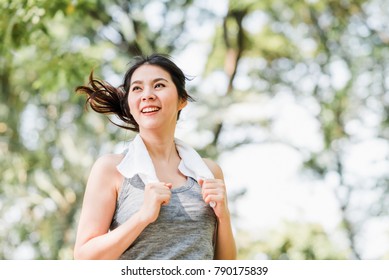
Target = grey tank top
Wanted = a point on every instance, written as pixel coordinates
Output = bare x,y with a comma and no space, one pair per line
184,229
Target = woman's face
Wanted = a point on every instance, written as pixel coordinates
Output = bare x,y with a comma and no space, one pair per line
153,98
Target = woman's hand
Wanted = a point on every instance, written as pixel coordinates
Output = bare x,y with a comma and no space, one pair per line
214,191
155,195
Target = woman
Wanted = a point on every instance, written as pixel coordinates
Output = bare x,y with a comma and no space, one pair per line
153,201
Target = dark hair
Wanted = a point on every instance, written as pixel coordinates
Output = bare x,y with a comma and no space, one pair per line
107,99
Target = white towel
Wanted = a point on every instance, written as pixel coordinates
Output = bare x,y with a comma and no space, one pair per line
138,161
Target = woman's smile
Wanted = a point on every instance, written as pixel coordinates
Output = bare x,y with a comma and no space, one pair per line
150,110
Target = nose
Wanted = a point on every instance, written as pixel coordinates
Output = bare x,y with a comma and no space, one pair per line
148,94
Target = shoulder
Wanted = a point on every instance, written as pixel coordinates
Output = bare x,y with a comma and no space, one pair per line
108,162
105,168
215,168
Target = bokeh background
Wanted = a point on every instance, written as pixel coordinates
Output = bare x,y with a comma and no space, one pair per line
292,102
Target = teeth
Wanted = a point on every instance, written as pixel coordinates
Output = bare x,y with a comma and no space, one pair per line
150,109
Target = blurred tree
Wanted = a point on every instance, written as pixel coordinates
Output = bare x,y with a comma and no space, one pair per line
41,62
295,241
329,57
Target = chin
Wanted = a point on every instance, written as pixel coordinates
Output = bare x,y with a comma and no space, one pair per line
150,126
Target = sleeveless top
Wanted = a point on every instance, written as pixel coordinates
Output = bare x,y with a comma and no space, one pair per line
184,229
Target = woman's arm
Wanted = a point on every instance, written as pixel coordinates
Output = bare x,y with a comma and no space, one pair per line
94,240
215,190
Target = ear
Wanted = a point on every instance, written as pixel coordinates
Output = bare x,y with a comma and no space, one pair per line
182,104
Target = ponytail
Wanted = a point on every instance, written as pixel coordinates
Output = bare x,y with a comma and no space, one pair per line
108,100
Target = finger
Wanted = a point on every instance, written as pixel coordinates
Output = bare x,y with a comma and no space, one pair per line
213,199
208,193
212,190
212,183
206,184
209,200
165,198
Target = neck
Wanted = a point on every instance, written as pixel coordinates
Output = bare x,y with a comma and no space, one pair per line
161,147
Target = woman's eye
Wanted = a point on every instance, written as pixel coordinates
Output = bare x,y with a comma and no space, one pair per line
159,85
135,88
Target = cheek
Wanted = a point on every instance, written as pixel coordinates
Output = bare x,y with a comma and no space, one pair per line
132,104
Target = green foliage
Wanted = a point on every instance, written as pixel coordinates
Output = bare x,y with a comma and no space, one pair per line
291,241
40,142
318,52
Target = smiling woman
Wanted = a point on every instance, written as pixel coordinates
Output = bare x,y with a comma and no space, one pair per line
152,201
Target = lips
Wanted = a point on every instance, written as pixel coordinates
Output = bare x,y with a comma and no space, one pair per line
150,109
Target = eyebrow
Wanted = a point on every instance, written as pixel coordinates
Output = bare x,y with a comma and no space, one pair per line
154,81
